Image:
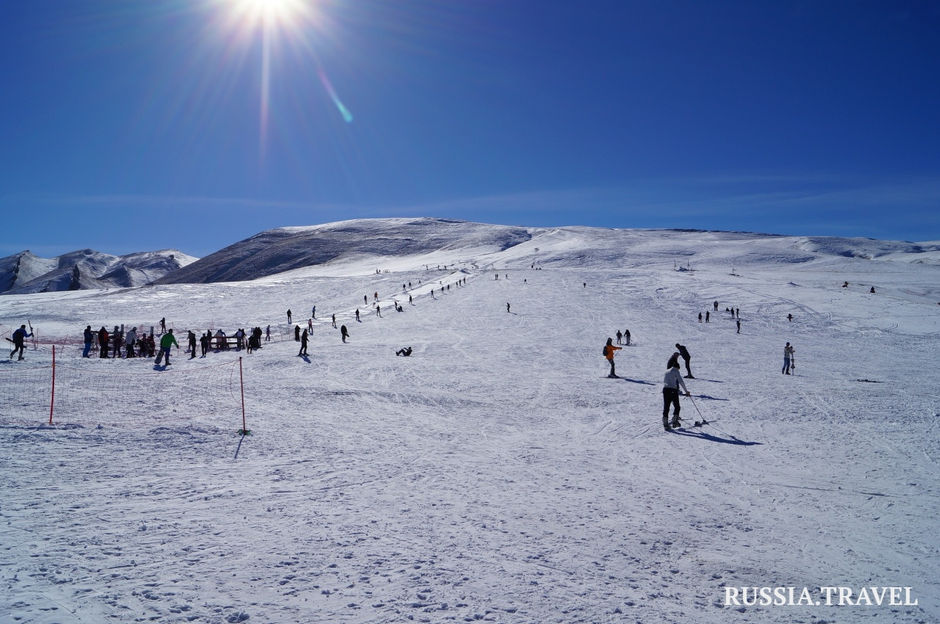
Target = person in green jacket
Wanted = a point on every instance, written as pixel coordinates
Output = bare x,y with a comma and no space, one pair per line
166,342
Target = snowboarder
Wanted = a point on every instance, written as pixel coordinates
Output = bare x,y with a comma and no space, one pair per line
344,333
686,357
89,336
872,291
716,306
303,343
289,321
19,338
671,382
404,351
165,344
609,350
787,359
626,335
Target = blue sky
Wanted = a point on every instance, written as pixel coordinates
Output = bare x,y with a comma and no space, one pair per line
131,125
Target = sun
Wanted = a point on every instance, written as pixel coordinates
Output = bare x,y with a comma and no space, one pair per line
284,13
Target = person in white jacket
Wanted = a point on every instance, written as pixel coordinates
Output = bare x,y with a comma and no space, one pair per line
671,383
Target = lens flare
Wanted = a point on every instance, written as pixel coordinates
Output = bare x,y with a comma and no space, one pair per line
347,116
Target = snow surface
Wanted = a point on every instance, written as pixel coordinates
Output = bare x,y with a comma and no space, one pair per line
496,474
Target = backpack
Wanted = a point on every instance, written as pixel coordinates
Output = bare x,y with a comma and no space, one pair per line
604,351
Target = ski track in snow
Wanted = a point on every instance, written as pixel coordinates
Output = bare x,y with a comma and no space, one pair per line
494,475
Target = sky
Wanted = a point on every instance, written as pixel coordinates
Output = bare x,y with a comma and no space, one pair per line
135,125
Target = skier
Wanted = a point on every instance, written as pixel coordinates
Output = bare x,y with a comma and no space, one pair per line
609,350
787,358
699,317
89,336
334,321
116,342
19,337
357,316
619,337
507,307
165,344
739,325
872,291
344,333
303,343
130,340
671,383
626,335
716,306
707,316
192,344
267,334
289,321
163,325
685,356
297,333
204,341
790,317
313,312
103,341
378,311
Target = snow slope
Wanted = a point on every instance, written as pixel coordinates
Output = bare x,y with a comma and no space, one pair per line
497,474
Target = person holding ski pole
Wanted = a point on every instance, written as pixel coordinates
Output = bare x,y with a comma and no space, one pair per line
19,338
671,383
609,350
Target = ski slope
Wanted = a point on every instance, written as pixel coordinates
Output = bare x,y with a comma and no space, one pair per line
496,474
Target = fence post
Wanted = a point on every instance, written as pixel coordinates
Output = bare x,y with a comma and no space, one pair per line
241,379
52,398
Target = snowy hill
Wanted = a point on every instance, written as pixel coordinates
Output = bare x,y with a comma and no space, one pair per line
417,242
497,474
86,269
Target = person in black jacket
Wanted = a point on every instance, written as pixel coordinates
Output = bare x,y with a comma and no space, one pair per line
686,357
303,343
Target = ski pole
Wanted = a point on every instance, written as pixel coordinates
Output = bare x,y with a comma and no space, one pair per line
695,405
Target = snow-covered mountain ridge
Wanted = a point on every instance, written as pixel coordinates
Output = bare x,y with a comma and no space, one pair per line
84,269
466,243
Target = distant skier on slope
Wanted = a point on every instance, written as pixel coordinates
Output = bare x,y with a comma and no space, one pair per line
671,383
343,332
626,336
289,321
619,337
303,344
19,339
686,357
787,359
609,350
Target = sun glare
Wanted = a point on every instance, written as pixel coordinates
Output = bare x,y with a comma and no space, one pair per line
272,12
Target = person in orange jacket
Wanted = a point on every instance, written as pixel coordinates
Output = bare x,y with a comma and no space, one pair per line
609,349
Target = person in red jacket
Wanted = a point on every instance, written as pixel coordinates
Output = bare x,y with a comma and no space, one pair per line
609,349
